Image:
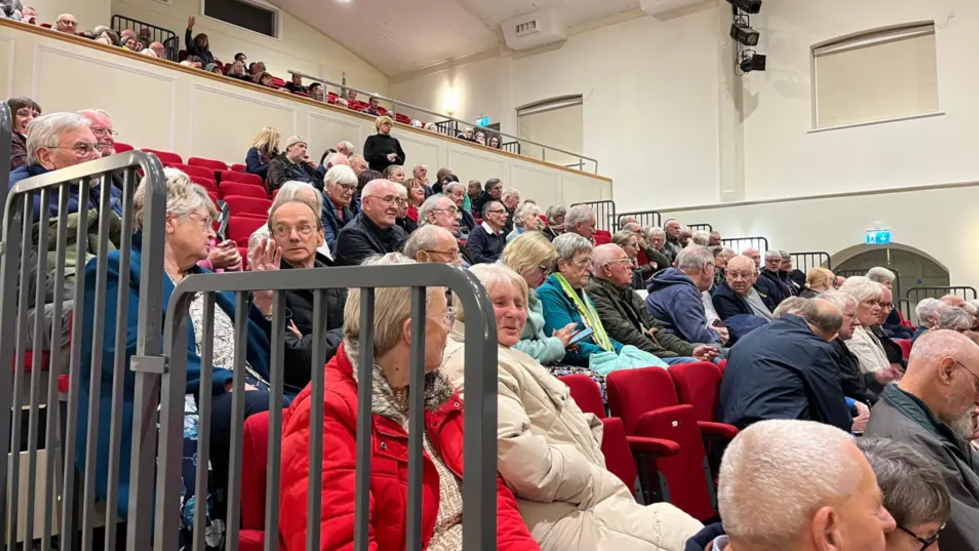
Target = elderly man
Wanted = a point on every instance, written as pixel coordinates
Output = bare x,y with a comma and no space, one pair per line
672,246
815,491
102,128
295,228
953,300
66,23
486,242
358,164
933,410
777,287
475,189
624,315
892,323
433,244
61,140
420,173
492,191
791,276
159,49
928,311
511,200
457,192
737,295
374,230
291,165
581,220
787,370
715,239
675,297
895,355
685,236
863,387
28,15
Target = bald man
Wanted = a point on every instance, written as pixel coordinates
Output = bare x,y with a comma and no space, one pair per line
953,300
932,409
738,293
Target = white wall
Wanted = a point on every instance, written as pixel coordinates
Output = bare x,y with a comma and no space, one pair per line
299,47
89,13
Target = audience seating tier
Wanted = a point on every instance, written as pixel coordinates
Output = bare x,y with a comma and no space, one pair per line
241,228
242,190
248,205
240,178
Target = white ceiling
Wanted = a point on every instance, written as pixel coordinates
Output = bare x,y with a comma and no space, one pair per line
400,36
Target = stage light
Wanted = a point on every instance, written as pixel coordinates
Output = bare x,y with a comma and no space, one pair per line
744,34
747,6
750,61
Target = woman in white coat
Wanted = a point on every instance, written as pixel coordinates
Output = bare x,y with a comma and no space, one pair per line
550,452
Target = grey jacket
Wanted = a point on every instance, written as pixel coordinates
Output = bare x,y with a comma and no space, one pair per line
903,417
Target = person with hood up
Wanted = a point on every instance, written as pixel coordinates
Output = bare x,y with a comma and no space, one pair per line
675,297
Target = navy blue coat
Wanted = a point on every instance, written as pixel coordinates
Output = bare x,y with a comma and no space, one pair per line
675,300
783,371
729,303
775,289
485,247
27,171
332,223
257,163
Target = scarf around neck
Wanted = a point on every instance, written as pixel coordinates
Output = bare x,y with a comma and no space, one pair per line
588,313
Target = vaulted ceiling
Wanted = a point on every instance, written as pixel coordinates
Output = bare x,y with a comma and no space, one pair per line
400,36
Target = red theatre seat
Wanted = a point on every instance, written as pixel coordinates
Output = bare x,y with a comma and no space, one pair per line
254,470
905,345
214,198
241,228
206,183
699,385
165,156
248,205
241,178
192,171
211,164
237,167
123,147
242,190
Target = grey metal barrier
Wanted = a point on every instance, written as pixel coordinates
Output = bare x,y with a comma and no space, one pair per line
26,279
916,294
740,244
6,134
479,477
810,260
511,147
169,39
644,217
604,214
700,227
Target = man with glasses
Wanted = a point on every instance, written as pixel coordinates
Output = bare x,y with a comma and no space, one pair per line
443,212
675,297
431,244
486,242
932,409
61,140
738,295
457,192
373,231
66,23
102,128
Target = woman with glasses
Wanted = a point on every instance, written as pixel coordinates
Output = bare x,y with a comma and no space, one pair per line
549,452
442,472
864,344
340,183
25,110
404,220
188,229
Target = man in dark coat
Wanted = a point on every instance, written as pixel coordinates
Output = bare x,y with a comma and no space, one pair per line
863,387
932,410
770,272
737,294
493,191
486,242
373,231
786,370
291,165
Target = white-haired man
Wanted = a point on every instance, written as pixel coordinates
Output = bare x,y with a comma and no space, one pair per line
928,311
715,239
433,244
444,212
61,140
675,297
933,410
511,200
581,220
738,295
672,247
778,288
66,23
358,164
102,128
815,491
374,230
457,192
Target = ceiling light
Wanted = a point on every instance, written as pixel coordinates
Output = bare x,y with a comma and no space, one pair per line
747,6
450,100
744,34
751,61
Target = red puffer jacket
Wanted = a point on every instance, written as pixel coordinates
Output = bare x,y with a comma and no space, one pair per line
389,472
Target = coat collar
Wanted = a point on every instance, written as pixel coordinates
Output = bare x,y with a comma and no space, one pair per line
916,410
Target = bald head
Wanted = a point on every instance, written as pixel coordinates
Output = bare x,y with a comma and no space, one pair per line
943,372
953,300
824,317
754,255
740,274
632,226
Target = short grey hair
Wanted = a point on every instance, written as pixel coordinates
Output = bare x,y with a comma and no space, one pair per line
791,305
701,237
577,215
184,198
430,204
955,318
862,288
772,254
525,210
776,473
294,190
652,231
568,245
693,258
913,488
46,132
510,193
839,298
425,238
447,188
339,175
784,254
347,145
554,211
880,275
929,311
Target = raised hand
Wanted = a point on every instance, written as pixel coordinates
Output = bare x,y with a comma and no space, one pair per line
266,257
190,22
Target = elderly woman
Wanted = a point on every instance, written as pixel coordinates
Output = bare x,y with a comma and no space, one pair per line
893,325
929,312
416,196
443,469
339,186
818,280
188,229
290,191
701,237
549,452
382,149
864,344
955,318
238,72
396,174
25,110
555,221
402,219
630,243
525,219
264,148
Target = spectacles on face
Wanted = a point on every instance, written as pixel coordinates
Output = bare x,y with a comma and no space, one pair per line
304,230
448,318
925,542
82,149
24,113
101,131
67,23
622,261
582,263
544,270
496,211
453,211
389,199
205,222
851,315
974,376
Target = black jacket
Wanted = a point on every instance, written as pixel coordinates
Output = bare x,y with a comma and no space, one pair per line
362,238
377,148
893,350
480,201
407,224
777,289
783,371
728,303
299,351
282,170
485,247
862,387
193,49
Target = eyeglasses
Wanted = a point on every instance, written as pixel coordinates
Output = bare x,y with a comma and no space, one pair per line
347,187
390,199
974,376
621,261
851,315
925,543
205,222
545,270
100,130
453,254
286,231
22,113
82,149
67,23
888,306
451,210
448,318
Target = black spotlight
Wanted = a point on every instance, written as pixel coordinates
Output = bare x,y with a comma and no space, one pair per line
744,34
753,62
747,6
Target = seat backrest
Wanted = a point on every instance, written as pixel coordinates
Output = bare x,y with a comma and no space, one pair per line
242,190
254,466
164,156
241,178
206,183
585,392
238,167
618,455
210,164
190,170
633,392
251,205
123,147
699,385
241,228
905,345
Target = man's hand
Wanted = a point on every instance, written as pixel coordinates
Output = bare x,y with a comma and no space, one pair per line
705,353
725,334
863,416
888,374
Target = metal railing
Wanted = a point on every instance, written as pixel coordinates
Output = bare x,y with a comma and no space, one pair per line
810,260
914,295
700,227
604,214
169,39
740,244
451,126
644,217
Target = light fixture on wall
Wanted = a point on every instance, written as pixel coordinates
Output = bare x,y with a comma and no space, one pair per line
748,6
743,33
450,100
747,38
752,61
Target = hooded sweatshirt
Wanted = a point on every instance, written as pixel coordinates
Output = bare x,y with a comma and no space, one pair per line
675,300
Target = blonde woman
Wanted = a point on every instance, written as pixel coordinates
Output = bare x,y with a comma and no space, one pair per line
263,150
818,280
382,149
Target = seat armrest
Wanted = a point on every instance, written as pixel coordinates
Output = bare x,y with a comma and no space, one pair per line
652,446
713,430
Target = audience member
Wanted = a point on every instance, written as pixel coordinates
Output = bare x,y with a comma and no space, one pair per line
292,191
66,23
28,15
241,57
382,149
814,491
755,255
715,239
101,127
433,244
929,312
893,351
527,218
672,246
581,220
316,91
148,52
441,518
24,110
700,237
685,236
264,148
331,159
295,85
494,142
864,344
420,173
510,200
198,45
457,192
265,79
955,318
860,386
953,300
339,184
256,70
373,231
778,288
486,242
550,452
416,191
480,137
629,242
649,254
624,314
675,297
933,410
794,279
474,190
818,280
213,68
358,164
787,370
402,219
161,52
291,165
131,44
493,191
737,295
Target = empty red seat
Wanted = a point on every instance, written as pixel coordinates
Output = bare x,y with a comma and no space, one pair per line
208,184
403,119
123,147
242,190
905,345
585,392
165,156
214,198
190,170
211,164
253,205
254,472
241,178
241,228
238,167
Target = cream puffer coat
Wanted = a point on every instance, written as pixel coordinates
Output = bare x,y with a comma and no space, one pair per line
550,456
